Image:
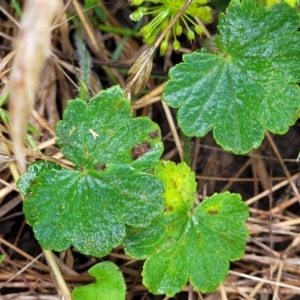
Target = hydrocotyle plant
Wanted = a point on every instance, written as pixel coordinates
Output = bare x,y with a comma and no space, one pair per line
120,192
111,197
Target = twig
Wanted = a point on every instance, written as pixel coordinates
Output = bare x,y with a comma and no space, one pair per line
57,276
266,281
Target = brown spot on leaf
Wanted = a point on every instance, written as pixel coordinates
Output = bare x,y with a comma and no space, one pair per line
212,212
168,208
199,237
100,167
139,150
154,134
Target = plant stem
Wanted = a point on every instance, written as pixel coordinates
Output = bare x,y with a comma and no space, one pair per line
176,18
120,31
187,149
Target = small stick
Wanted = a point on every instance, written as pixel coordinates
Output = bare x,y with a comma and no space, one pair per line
57,276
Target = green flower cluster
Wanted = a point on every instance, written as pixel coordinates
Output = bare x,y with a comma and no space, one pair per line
164,11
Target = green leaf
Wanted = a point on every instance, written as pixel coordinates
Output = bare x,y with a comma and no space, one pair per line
88,207
85,64
250,86
3,98
103,131
194,244
109,284
17,7
2,258
98,10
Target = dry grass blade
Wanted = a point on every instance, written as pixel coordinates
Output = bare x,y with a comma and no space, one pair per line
139,73
32,49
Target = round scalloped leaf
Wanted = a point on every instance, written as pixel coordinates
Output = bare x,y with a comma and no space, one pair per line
250,86
89,206
103,131
180,184
191,245
109,284
87,209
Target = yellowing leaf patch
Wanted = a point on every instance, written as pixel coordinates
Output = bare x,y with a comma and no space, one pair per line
180,184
